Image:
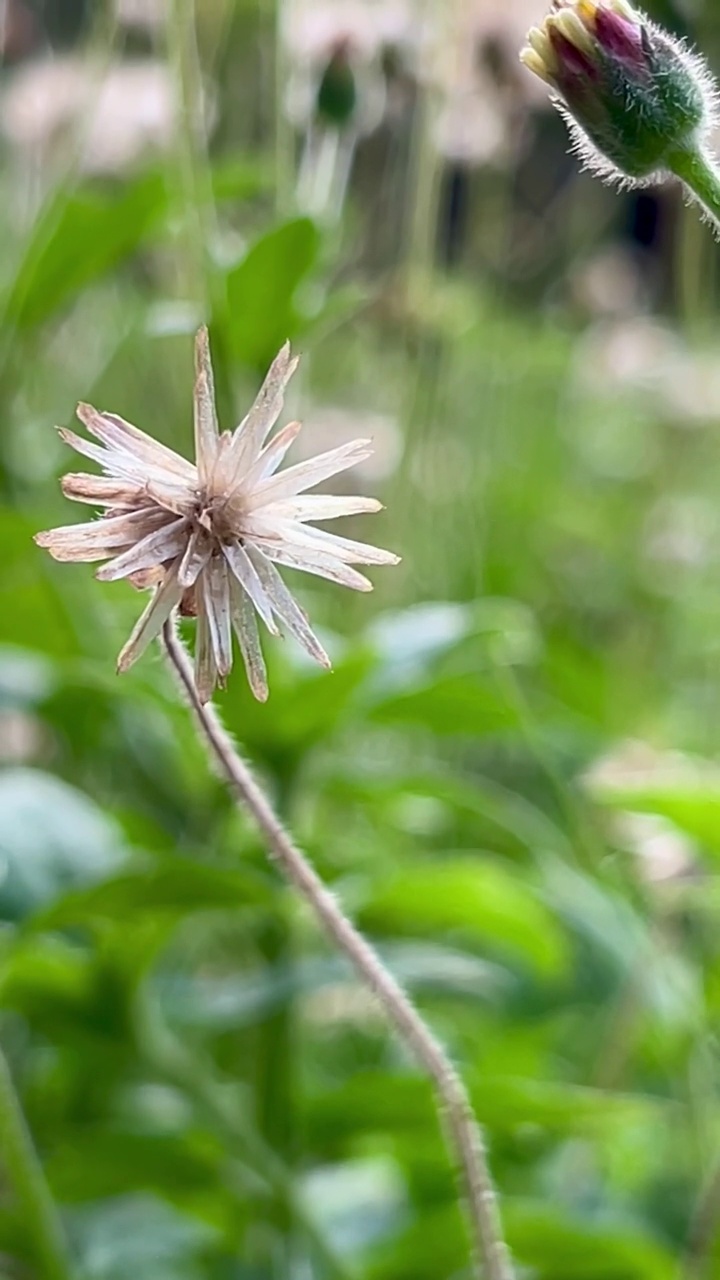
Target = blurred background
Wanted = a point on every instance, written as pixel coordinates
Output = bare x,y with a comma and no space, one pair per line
510,779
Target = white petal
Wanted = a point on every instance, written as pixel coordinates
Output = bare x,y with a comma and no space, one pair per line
216,593
155,549
255,427
151,622
287,608
346,549
301,537
317,562
205,669
116,433
246,630
219,478
98,539
114,461
246,574
271,457
319,506
104,457
196,556
305,475
205,416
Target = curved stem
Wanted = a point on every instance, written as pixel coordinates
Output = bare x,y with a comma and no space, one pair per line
699,175
27,1179
463,1136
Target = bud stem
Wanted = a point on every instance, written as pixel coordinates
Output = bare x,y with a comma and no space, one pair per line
699,175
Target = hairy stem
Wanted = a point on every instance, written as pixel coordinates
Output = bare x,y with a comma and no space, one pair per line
27,1179
700,176
492,1258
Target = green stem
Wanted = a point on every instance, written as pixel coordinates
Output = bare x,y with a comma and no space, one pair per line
26,1175
194,179
275,1092
203,284
701,178
284,140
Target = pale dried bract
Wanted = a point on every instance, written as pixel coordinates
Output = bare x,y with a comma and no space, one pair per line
207,536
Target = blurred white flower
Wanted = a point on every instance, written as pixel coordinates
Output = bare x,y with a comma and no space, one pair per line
144,15
111,117
21,737
663,852
681,530
633,766
468,57
635,353
638,354
630,778
610,284
472,127
310,28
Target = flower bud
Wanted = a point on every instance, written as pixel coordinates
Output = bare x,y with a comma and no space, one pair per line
632,95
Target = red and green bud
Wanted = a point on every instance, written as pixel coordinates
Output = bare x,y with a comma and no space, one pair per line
632,95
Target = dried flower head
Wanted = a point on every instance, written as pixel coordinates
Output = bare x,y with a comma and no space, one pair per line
633,96
208,535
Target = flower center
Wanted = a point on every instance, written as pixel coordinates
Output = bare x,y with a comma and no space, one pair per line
218,516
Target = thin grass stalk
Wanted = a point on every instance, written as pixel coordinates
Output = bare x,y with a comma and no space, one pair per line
491,1257
27,1179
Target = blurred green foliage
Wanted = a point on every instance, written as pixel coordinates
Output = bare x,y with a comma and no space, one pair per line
210,1092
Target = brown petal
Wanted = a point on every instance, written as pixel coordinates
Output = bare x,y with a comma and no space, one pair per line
216,594
246,630
145,578
151,621
156,549
205,670
99,539
100,491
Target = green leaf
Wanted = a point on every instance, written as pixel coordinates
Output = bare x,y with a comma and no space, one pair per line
410,642
101,1163
219,1003
475,898
261,291
510,1102
77,239
177,886
52,838
238,177
465,705
139,1236
560,1246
